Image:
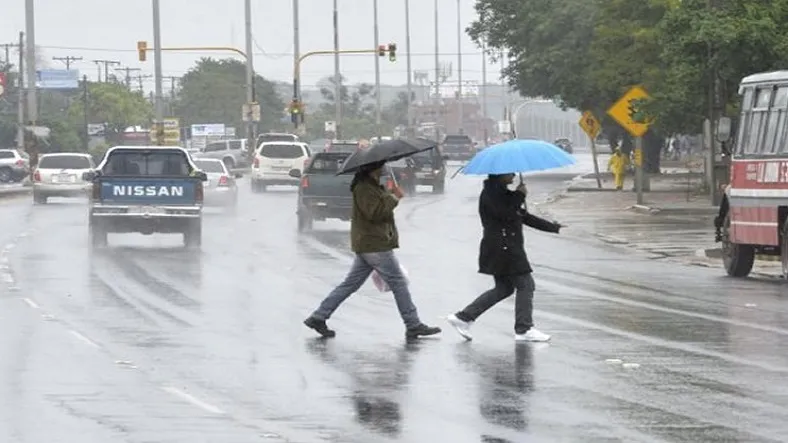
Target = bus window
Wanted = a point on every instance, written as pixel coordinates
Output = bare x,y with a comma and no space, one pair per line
744,120
776,122
757,121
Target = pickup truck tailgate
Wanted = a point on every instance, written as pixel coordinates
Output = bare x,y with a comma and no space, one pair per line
148,191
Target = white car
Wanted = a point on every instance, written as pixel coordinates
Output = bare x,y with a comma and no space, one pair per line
60,175
273,162
221,189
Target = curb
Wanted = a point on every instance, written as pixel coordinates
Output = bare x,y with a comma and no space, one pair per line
7,192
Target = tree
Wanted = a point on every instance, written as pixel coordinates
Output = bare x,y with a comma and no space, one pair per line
355,102
113,105
214,91
397,112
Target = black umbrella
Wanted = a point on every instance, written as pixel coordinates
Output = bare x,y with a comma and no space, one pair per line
385,151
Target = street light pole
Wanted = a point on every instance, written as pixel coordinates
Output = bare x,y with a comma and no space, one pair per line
30,47
484,90
296,40
409,66
437,55
378,100
460,109
250,95
337,75
158,77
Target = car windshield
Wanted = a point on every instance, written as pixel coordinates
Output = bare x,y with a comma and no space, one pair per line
147,163
64,162
327,163
287,151
265,138
343,147
210,166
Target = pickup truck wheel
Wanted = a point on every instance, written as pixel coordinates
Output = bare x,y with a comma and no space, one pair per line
438,187
738,259
192,237
98,234
305,222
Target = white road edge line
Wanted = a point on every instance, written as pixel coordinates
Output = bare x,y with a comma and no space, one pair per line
84,339
31,303
192,399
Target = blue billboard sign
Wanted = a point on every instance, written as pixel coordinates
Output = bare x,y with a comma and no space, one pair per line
57,79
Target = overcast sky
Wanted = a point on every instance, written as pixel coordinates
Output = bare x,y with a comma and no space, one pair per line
106,29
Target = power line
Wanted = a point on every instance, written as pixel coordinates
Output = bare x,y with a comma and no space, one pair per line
106,64
7,48
128,74
67,60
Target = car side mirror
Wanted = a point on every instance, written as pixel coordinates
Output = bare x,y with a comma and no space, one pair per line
89,176
201,175
295,173
238,175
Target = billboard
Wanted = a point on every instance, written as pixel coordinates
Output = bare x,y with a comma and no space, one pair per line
208,130
57,79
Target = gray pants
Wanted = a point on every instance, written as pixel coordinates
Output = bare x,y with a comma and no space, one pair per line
389,269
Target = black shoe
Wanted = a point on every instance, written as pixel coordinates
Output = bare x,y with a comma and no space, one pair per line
319,326
422,330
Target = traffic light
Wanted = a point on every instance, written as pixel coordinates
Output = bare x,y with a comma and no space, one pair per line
296,112
392,52
142,49
382,50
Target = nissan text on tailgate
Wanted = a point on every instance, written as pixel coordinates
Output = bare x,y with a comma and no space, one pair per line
324,195
146,190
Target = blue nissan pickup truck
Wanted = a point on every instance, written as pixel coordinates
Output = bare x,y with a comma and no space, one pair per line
146,189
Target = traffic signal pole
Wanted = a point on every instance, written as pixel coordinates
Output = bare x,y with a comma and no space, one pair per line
297,103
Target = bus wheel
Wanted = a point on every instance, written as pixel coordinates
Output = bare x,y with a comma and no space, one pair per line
738,259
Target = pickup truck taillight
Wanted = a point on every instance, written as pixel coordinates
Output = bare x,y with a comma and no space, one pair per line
256,163
199,193
36,176
304,182
223,181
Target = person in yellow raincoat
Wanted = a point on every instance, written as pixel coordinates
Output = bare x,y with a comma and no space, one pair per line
618,166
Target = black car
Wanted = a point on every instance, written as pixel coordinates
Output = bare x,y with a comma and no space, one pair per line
426,168
565,144
458,147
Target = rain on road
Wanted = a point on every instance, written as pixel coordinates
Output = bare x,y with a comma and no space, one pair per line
148,342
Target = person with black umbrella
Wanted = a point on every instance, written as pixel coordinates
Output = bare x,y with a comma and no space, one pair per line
373,237
502,255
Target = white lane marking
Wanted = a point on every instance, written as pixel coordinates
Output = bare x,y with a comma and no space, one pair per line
192,399
84,339
31,303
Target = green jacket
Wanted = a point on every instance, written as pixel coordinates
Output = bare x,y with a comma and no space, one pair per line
372,227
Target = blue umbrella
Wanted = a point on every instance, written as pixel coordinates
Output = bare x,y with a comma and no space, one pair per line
517,156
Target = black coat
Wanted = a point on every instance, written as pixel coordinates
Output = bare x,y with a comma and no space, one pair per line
502,249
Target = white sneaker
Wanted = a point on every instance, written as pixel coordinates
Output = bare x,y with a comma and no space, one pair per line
462,327
533,334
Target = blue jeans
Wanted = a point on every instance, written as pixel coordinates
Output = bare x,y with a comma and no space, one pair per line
389,269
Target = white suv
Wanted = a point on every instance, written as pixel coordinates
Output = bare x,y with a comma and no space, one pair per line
60,175
274,161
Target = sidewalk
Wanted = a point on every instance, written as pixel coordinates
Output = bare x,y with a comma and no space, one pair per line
675,222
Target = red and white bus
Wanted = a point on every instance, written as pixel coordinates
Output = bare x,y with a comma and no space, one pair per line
754,210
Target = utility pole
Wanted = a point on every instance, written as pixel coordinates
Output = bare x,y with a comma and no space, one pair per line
172,80
250,95
296,40
378,99
32,100
67,60
337,75
141,81
7,47
128,75
715,111
409,67
484,90
460,108
437,57
86,111
20,128
158,99
107,64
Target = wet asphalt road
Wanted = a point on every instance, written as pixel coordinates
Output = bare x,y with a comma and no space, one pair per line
146,342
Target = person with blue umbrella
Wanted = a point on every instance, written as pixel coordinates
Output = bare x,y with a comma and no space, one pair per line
503,213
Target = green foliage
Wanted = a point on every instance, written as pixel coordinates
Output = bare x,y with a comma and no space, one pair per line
214,91
114,105
587,53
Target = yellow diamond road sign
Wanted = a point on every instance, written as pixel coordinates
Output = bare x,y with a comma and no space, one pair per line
590,124
622,111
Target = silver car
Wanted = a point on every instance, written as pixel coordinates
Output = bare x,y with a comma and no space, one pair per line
221,189
60,175
14,165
